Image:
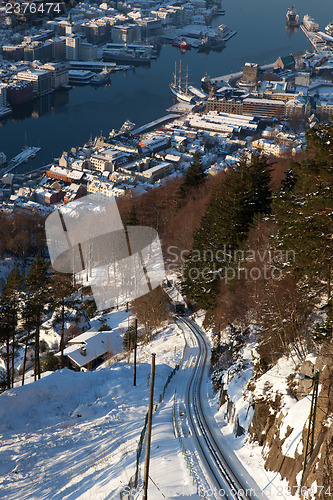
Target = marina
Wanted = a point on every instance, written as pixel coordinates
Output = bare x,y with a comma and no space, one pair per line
58,121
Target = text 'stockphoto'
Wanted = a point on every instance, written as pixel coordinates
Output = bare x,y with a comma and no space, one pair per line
87,238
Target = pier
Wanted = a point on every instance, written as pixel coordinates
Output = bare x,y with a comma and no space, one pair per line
28,152
310,36
151,125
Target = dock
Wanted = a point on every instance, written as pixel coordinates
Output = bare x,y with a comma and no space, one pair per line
310,36
239,74
154,124
24,156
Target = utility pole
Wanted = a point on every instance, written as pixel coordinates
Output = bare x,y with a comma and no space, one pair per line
312,421
135,342
149,426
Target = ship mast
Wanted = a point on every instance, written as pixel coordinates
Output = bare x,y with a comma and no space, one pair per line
175,75
180,76
186,83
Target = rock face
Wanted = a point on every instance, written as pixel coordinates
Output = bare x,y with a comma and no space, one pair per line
268,420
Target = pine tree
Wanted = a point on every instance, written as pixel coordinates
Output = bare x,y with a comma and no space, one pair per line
225,225
28,321
194,177
37,287
62,287
132,217
304,213
9,306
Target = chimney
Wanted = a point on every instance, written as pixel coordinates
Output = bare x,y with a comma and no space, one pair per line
83,351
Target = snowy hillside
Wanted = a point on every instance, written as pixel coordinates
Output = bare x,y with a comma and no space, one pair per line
75,435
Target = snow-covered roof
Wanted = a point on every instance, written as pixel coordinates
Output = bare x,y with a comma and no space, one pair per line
95,343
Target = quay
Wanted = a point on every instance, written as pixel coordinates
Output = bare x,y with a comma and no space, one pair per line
235,76
310,36
151,125
28,152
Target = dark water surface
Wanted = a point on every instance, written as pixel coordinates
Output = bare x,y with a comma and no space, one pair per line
65,119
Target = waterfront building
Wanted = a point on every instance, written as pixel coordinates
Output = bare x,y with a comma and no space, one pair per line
250,72
287,62
59,74
224,105
150,27
73,45
88,52
13,52
3,95
126,33
41,80
19,92
264,107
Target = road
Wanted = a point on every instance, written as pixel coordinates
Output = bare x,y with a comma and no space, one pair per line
225,474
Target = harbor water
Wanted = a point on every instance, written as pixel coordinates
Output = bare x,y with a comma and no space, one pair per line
67,119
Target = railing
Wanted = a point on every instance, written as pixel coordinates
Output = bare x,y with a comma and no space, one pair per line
127,492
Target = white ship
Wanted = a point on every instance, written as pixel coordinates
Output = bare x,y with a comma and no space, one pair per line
101,78
127,126
329,29
309,24
177,88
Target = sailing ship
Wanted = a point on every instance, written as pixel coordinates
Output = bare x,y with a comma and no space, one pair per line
177,88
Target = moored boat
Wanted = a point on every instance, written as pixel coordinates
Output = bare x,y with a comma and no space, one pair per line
177,88
292,19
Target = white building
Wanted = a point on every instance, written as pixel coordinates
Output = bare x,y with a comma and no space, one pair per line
73,46
3,95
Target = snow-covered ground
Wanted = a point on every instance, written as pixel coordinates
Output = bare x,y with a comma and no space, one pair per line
295,414
75,434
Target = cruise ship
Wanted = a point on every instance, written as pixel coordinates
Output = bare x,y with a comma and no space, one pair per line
292,18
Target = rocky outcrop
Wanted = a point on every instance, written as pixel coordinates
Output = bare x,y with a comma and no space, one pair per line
268,419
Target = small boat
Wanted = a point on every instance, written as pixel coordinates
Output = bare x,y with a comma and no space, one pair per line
101,78
183,44
329,29
208,43
127,126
